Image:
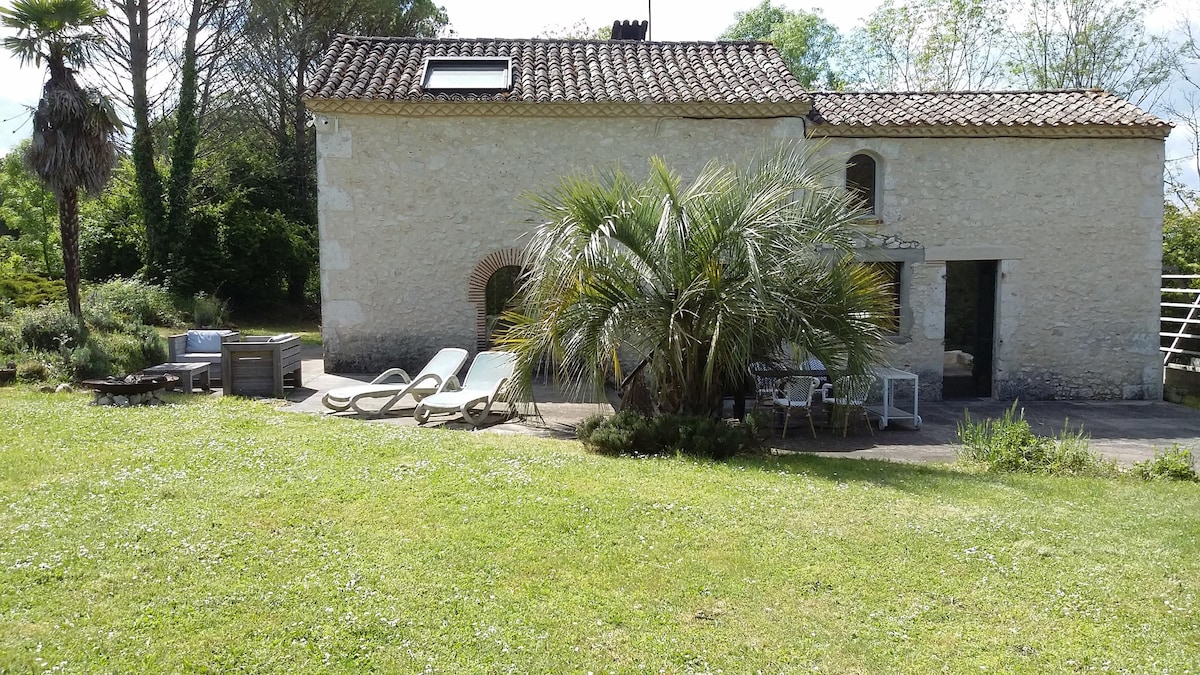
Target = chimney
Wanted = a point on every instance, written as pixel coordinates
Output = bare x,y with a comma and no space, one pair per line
630,30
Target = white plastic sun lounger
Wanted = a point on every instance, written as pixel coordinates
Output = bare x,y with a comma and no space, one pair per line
488,374
436,375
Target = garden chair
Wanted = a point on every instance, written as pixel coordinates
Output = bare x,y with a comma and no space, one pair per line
848,396
796,394
488,374
436,375
766,388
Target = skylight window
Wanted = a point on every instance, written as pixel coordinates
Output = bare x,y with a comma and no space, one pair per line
467,74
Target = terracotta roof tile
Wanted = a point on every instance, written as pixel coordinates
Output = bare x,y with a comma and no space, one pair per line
564,71
1058,108
385,69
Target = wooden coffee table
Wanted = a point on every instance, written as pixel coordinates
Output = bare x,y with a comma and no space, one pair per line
186,372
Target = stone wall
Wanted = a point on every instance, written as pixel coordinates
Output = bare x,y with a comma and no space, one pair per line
1077,227
410,206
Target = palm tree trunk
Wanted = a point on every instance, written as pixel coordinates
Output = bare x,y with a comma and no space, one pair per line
68,227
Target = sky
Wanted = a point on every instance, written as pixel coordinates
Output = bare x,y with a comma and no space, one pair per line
670,20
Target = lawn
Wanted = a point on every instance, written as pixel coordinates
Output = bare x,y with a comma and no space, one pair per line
219,534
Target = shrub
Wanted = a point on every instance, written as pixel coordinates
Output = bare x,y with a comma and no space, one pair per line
107,354
90,360
32,369
1175,463
26,289
209,310
133,301
1009,444
634,434
49,327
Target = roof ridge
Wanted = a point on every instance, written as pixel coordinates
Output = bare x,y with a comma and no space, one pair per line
959,92
397,38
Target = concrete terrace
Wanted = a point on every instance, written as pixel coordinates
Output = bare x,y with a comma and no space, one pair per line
1127,431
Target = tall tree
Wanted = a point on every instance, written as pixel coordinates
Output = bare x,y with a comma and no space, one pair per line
280,43
1184,108
697,280
74,127
805,40
1074,44
930,45
143,35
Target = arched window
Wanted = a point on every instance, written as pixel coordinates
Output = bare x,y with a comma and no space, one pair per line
862,179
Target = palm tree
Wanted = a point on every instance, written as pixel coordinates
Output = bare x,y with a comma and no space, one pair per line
688,286
73,127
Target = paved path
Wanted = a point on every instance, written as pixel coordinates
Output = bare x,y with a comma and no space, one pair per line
1127,431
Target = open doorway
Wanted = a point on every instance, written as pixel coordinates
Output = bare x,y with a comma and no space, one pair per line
499,294
970,328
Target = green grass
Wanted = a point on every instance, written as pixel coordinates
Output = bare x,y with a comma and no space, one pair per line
310,333
219,534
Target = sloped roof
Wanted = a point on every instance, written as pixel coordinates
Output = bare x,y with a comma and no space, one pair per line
870,113
696,79
564,71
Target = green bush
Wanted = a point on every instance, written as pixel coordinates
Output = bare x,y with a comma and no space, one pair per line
90,360
209,310
34,369
50,327
107,354
1175,463
129,300
1009,444
634,434
25,289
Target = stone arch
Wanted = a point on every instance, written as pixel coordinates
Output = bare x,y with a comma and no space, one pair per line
477,287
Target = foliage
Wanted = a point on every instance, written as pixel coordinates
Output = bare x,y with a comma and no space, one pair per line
133,301
1174,463
209,310
1008,444
1081,44
260,254
118,353
49,327
630,433
28,212
805,40
220,534
74,127
930,45
34,368
113,341
1181,240
580,30
26,289
111,232
689,285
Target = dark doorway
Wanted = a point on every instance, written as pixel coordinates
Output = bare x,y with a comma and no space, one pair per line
500,291
970,328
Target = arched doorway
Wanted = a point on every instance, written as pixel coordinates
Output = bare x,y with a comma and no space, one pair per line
499,293
492,287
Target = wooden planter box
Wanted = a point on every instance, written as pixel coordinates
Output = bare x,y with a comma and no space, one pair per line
257,365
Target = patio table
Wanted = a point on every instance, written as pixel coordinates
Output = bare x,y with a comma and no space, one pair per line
186,372
887,410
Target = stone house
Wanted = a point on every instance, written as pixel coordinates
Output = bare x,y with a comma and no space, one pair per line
1023,229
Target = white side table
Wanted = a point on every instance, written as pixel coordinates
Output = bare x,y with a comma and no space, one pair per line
887,410
186,373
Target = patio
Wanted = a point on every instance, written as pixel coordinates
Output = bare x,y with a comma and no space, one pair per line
1127,431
